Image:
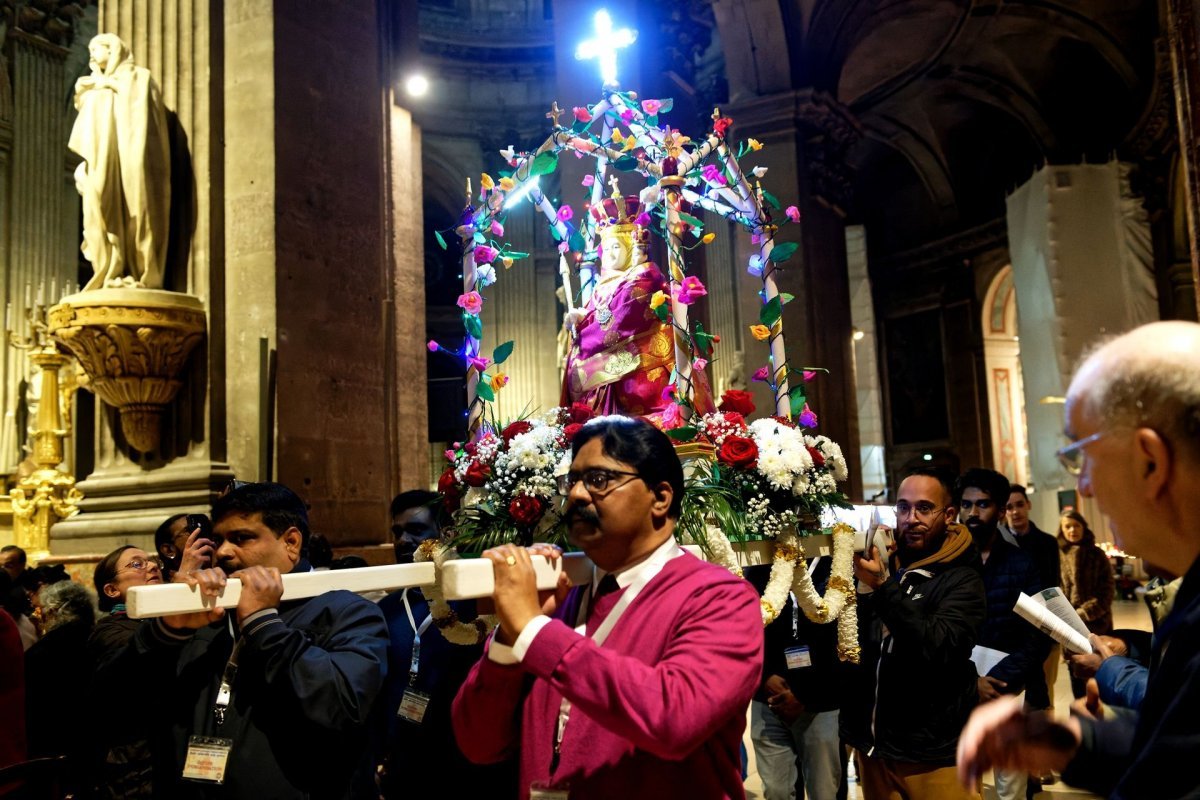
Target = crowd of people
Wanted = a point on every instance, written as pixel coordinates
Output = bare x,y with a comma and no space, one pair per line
639,682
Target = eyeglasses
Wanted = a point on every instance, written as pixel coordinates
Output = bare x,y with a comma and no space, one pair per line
1071,456
923,510
596,481
142,564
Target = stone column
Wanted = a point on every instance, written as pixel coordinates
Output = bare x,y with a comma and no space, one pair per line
806,136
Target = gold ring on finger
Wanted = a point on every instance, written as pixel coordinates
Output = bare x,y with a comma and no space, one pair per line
511,561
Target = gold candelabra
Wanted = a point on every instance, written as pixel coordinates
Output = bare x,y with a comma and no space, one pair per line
47,493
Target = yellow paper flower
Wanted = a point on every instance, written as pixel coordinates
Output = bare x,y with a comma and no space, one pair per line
755,145
760,332
497,381
506,261
708,237
658,298
507,184
486,182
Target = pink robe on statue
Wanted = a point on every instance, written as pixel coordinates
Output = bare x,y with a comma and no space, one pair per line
657,712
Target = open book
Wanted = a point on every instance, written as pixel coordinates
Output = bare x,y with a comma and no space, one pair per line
1053,614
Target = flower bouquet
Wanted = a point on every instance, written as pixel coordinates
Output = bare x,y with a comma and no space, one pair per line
502,486
772,480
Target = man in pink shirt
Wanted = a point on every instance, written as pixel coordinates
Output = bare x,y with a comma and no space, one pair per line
637,684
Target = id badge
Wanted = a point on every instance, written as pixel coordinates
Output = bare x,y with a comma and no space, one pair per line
206,759
797,657
413,706
540,790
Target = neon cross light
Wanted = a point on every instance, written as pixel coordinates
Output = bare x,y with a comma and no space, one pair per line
604,45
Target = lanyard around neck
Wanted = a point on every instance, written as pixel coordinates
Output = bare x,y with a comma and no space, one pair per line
415,663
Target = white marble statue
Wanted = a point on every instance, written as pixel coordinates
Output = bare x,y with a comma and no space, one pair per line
125,176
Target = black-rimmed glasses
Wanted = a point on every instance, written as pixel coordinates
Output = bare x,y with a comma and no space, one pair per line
597,481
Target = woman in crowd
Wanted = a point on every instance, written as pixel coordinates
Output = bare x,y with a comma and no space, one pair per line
1087,578
121,760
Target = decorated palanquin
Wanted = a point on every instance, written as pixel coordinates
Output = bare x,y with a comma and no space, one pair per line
622,355
633,350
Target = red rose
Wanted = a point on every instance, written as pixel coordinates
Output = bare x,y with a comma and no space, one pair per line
448,487
525,510
570,430
516,429
580,413
738,451
738,402
477,474
722,125
817,458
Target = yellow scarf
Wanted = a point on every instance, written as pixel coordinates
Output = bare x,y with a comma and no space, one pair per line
956,543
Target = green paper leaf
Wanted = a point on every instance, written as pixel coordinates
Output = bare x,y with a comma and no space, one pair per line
652,120
703,339
480,238
576,242
772,201
515,254
667,104
684,434
626,163
688,219
544,164
661,312
783,251
484,391
501,353
554,232
786,298
440,240
473,326
771,312
798,399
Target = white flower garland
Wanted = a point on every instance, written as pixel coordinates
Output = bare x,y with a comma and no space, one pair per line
444,617
839,600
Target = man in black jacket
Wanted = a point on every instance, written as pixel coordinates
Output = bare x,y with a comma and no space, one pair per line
1133,418
1007,572
272,699
1043,549
916,684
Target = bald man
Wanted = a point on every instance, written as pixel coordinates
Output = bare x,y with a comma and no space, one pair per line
1133,418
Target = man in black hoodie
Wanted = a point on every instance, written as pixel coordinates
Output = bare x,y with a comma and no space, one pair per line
916,684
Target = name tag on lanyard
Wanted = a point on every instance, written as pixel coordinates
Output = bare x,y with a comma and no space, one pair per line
414,703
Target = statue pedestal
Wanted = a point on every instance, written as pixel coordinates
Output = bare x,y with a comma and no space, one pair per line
132,343
125,504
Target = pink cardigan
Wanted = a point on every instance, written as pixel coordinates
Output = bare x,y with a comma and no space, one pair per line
658,711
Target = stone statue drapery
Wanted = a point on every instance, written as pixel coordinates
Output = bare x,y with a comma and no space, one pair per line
124,178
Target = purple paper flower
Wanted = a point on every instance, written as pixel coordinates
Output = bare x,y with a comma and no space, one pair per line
652,107
793,213
626,116
699,364
690,290
497,228
565,214
433,346
807,418
762,374
484,254
479,362
809,375
643,219
712,174
589,179
471,302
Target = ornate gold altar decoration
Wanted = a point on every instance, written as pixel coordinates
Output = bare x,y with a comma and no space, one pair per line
47,494
133,344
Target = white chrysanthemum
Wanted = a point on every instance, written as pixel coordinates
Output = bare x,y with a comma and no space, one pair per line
825,483
834,460
800,484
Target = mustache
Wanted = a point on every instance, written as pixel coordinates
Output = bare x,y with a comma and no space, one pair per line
580,514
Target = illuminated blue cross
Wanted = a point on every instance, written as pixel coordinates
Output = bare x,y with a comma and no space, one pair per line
603,47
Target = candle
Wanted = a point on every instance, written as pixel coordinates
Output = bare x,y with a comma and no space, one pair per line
8,316
28,294
53,290
41,295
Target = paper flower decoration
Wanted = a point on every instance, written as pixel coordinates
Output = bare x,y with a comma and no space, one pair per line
708,238
754,144
484,254
758,172
690,290
699,364
722,125
433,346
756,266
589,179
565,214
507,184
658,298
498,381
651,107
643,219
793,213
760,332
762,374
485,182
485,274
497,228
712,174
471,302
582,114
479,362
807,418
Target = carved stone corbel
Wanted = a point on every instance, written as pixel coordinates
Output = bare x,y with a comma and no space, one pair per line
132,343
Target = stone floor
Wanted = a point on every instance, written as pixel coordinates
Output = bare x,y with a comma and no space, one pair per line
1126,614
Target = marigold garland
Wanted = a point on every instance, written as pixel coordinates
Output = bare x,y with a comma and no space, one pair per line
444,617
